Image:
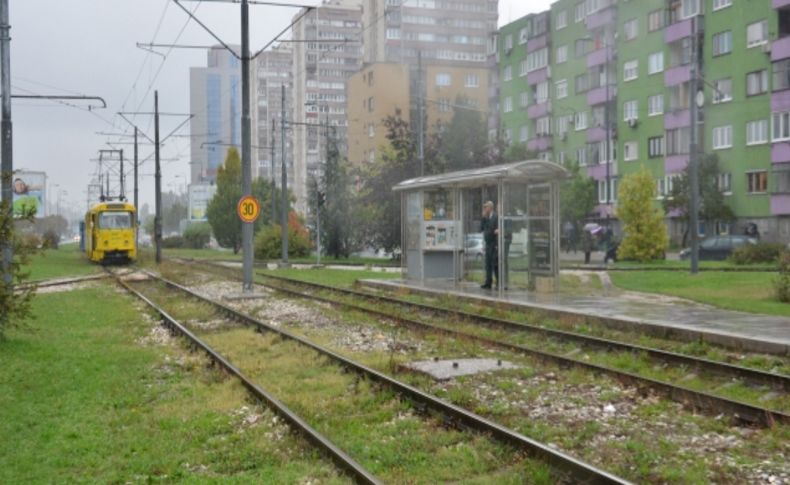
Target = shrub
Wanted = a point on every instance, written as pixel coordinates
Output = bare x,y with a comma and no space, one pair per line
782,282
173,242
645,233
50,240
268,242
757,253
197,236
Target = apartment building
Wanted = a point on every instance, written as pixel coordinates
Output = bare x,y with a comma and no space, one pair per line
275,72
616,86
327,51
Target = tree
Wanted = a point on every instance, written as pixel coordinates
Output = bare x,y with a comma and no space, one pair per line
712,203
197,235
464,141
645,234
15,302
221,210
578,197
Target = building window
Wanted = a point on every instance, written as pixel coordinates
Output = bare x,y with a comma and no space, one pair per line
580,120
689,8
371,104
581,157
757,132
508,74
523,134
522,36
655,20
720,4
561,89
613,188
583,47
655,147
444,105
722,91
582,83
393,34
524,99
371,130
507,105
562,124
630,70
543,126
631,110
757,83
677,141
444,79
781,70
722,228
724,182
508,135
722,43
655,105
562,54
630,151
757,33
602,192
561,20
757,182
631,29
579,12
781,126
540,92
722,137
472,81
538,59
655,63
509,42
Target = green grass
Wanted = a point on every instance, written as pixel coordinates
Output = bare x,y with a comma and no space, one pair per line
67,261
212,254
331,277
82,401
351,260
743,291
679,265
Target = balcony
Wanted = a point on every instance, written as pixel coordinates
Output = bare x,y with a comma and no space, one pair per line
777,4
677,31
599,95
780,203
601,18
676,163
780,48
780,152
539,110
600,56
780,100
537,43
677,75
596,134
542,143
538,76
677,119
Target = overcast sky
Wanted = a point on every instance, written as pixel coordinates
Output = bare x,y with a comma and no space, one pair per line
88,47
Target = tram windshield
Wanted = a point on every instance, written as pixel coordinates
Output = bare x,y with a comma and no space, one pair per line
115,220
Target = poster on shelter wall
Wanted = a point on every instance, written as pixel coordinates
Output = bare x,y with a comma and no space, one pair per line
29,189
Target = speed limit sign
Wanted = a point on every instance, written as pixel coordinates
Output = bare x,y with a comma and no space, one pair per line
248,209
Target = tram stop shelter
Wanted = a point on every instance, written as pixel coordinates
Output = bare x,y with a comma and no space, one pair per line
442,242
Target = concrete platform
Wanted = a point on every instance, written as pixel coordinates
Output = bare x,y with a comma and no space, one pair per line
442,370
661,317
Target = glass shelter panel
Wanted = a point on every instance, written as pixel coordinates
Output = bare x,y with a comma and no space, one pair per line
412,255
515,240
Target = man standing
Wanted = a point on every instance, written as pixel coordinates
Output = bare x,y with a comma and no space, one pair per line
489,226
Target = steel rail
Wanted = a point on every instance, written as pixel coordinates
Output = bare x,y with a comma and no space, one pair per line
58,282
699,400
344,461
755,376
579,470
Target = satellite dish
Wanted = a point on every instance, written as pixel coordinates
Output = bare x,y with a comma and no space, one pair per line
700,98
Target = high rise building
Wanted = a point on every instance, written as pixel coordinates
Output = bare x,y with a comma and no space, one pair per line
327,51
275,72
599,80
215,102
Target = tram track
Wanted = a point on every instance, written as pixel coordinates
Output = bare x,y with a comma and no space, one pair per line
572,469
704,401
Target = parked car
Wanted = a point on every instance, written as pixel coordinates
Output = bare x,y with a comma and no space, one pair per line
474,247
718,248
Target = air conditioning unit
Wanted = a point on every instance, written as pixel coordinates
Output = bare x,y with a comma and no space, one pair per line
767,47
633,122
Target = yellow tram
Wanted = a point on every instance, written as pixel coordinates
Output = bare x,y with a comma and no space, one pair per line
109,234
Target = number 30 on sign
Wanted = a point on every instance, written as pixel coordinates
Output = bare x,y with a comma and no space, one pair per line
248,209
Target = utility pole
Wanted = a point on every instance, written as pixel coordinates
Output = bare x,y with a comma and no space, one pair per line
7,164
273,171
136,207
157,183
284,184
420,114
246,142
693,159
608,122
123,176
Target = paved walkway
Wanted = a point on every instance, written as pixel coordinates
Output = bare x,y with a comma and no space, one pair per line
762,333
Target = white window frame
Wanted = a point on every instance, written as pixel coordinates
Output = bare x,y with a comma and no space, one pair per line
561,54
725,34
472,81
630,151
507,105
523,133
690,8
763,30
561,20
720,4
602,192
757,132
780,120
444,79
631,110
718,91
721,137
561,89
721,178
631,67
755,172
507,74
655,105
655,62
580,120
523,98
631,29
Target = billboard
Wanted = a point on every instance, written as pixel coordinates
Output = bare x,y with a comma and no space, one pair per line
30,189
199,197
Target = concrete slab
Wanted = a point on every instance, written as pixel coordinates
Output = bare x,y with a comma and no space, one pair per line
244,296
665,317
442,370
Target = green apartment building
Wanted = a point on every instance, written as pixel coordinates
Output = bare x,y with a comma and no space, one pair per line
607,84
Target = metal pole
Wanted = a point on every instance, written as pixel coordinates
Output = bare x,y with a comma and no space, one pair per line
123,176
136,208
274,185
158,183
284,186
693,162
420,114
607,122
246,142
7,164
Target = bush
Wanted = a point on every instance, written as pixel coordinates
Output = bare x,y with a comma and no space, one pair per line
173,242
782,283
197,236
645,233
50,240
268,242
757,253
